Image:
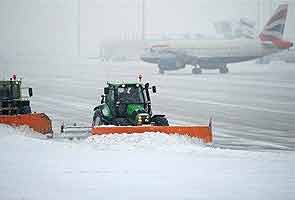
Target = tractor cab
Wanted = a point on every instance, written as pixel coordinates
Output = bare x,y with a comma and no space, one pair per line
125,104
10,90
11,100
121,98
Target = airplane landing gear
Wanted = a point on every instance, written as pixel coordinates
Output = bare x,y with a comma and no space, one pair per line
161,71
223,70
196,70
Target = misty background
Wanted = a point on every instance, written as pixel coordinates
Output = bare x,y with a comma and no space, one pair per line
72,29
57,45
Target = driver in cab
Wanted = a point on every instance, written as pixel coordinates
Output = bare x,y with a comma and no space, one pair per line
128,95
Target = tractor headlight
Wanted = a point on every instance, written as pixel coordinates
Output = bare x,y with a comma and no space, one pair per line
142,118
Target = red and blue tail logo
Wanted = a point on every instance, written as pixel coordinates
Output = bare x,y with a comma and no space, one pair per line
274,29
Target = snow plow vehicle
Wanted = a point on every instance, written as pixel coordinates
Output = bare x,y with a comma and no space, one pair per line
126,108
15,109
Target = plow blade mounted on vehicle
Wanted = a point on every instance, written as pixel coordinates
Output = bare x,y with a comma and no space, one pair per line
126,108
15,108
39,122
202,132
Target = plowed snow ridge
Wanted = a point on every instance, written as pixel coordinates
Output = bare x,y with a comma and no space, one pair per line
140,166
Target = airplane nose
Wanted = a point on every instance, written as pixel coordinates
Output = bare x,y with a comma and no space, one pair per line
143,58
150,58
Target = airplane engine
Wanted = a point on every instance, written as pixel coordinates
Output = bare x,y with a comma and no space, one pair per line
170,62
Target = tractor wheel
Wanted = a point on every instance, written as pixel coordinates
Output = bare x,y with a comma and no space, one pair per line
25,110
99,121
160,121
97,118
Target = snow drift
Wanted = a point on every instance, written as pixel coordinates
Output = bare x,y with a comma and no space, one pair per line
148,166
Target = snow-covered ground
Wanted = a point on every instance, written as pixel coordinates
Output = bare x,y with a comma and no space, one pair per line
252,156
145,166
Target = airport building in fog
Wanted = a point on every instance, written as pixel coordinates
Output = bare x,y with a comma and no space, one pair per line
66,30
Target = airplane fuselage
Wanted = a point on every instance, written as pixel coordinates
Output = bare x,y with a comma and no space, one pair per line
209,54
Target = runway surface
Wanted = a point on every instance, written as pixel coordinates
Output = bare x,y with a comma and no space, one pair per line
253,107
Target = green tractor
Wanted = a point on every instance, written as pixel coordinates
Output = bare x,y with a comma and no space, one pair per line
127,104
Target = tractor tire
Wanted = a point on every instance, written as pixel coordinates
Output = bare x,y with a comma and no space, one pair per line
25,110
97,121
160,121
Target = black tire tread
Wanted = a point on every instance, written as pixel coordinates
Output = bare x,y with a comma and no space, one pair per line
160,121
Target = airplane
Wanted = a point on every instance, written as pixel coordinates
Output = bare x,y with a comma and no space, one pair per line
216,54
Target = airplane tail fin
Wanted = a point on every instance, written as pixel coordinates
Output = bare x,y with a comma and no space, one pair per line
274,29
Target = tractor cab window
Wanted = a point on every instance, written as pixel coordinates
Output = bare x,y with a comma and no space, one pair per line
4,92
15,91
110,97
10,91
132,94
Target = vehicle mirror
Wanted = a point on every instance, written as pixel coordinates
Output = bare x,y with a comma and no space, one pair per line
30,92
106,90
154,89
146,86
102,99
95,108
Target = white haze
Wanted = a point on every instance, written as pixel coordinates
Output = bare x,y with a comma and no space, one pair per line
34,28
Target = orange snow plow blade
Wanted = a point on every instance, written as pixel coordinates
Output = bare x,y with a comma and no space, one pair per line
202,132
39,122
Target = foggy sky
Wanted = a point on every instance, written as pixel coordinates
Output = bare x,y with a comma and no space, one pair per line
51,27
